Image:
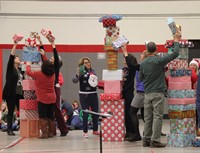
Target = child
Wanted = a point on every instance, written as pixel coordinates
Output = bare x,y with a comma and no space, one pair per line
4,110
76,122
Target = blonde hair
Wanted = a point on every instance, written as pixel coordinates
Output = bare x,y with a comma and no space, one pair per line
81,61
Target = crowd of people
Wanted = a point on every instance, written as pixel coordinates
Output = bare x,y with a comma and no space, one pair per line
150,97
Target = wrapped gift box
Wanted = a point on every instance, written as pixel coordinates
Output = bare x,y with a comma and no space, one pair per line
178,64
110,96
30,95
180,72
29,128
182,114
183,53
34,67
181,101
108,41
18,37
179,79
109,22
48,34
29,114
28,104
183,126
30,42
180,85
181,140
116,17
181,93
182,44
31,54
114,86
28,84
112,32
112,75
113,128
119,42
182,107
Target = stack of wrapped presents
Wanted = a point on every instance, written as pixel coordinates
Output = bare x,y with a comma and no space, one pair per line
111,99
29,120
181,101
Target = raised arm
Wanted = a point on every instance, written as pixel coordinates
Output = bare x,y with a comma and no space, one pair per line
41,50
166,59
129,60
56,60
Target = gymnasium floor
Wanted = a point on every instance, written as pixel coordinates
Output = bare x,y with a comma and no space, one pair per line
74,142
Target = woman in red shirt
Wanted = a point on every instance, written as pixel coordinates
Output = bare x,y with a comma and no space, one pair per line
44,84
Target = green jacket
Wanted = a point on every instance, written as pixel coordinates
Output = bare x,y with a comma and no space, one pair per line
152,71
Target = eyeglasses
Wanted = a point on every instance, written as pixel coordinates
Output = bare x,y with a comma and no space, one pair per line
86,62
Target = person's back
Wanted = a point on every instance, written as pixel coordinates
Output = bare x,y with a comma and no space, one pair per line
152,71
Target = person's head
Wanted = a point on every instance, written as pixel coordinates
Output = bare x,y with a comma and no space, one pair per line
75,104
17,60
151,47
47,68
194,64
86,62
60,61
143,55
3,107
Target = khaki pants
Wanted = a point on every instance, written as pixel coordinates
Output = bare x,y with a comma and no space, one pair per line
153,115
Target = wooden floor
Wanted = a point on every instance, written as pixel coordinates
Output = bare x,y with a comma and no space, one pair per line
74,142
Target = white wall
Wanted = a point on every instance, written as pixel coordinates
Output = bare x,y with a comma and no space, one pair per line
77,22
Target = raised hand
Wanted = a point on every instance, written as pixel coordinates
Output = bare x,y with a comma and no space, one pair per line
41,51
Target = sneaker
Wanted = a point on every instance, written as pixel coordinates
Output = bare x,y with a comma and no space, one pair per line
155,144
85,135
96,133
146,142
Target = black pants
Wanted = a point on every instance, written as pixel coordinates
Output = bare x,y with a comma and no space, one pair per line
89,101
11,103
134,118
128,97
46,111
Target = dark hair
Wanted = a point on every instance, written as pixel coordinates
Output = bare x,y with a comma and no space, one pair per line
133,59
48,68
151,47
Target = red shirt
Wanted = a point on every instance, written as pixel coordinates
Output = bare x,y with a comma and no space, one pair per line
44,86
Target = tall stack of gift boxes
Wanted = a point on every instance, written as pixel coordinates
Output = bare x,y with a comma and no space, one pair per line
111,99
181,99
29,120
